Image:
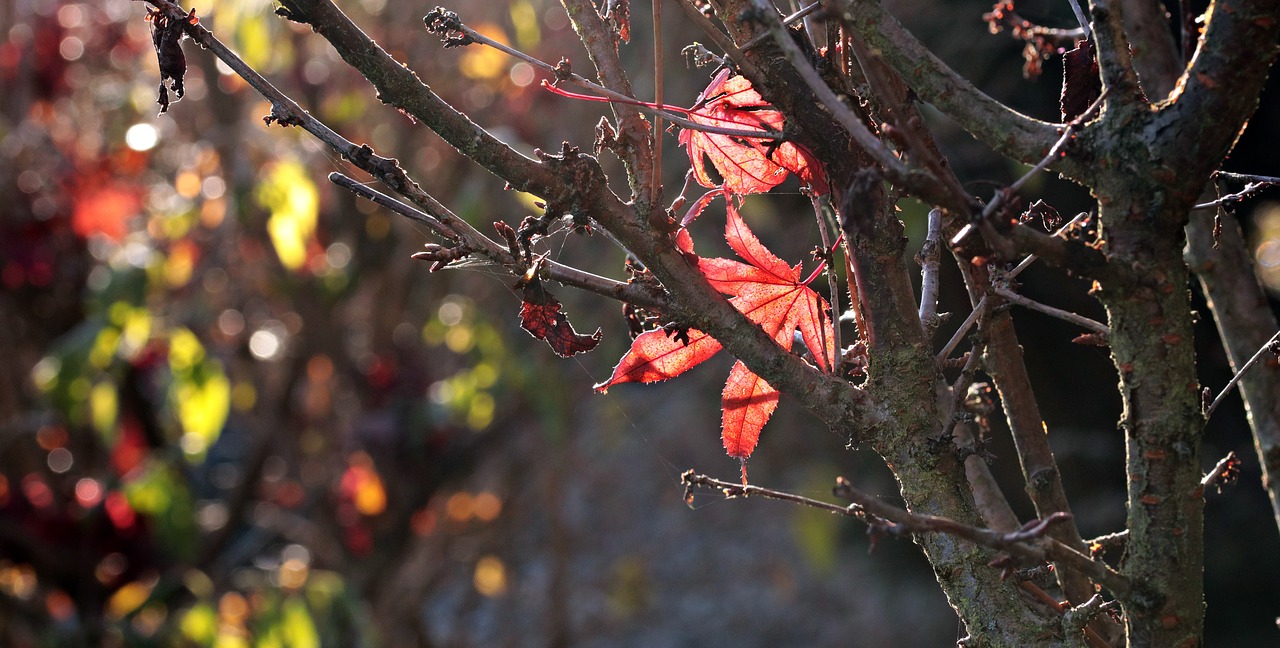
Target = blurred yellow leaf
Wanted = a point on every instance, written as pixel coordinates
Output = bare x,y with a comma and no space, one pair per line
486,63
298,626
490,577
127,599
103,407
185,350
525,19
288,192
199,624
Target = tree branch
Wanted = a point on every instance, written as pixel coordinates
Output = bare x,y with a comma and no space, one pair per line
1027,544
1066,316
1114,61
1219,89
634,293
398,86
931,270
1012,133
1154,52
602,46
1224,266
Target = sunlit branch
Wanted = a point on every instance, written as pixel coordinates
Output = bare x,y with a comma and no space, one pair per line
931,270
1055,152
1255,183
1272,346
1027,544
1000,127
1066,316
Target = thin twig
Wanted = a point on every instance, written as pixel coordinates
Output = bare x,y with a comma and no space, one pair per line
1080,18
1225,471
1004,195
1066,316
1272,346
629,292
663,111
690,479
1027,544
655,195
964,327
893,167
1254,184
833,285
787,21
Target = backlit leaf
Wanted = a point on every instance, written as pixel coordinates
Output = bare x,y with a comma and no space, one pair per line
747,165
768,292
542,317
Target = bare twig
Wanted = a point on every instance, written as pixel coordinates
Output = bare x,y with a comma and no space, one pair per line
1066,316
1004,195
634,293
803,13
1027,544
691,479
560,75
1224,472
1254,184
922,184
719,39
1272,346
655,195
1080,18
991,121
832,282
964,327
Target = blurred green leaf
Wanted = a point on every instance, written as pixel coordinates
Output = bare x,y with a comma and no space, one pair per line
161,494
201,393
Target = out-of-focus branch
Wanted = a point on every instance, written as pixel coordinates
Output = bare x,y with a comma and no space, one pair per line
1155,55
1224,265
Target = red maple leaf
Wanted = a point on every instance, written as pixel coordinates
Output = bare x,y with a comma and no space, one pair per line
747,165
542,316
771,294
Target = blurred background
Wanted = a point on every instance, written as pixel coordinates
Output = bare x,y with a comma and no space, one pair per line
234,412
